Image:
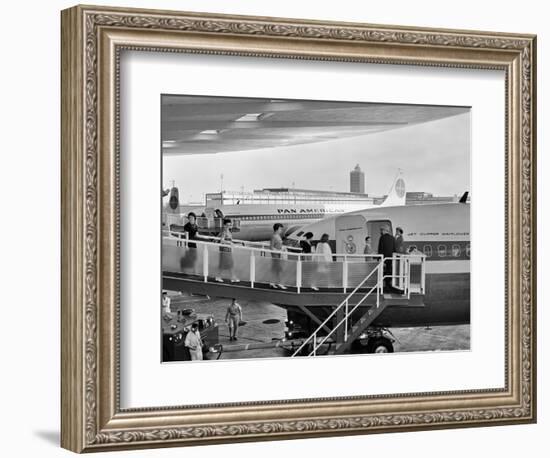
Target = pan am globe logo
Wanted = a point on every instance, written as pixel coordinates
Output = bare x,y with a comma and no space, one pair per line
350,246
400,187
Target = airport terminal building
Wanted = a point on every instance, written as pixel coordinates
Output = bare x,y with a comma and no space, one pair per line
290,196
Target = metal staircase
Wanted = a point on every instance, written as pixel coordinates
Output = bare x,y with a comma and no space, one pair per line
346,331
357,329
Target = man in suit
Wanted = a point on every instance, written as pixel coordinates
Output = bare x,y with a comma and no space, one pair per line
386,247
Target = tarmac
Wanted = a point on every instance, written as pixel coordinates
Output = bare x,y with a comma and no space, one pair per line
264,325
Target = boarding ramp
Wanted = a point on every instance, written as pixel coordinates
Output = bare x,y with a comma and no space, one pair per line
210,267
259,267
358,288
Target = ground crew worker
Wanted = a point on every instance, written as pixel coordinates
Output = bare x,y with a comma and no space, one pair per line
165,302
193,342
233,317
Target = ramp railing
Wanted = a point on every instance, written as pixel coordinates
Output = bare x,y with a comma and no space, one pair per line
252,263
409,273
316,341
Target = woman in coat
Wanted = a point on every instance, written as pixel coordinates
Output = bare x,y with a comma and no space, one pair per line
226,263
323,248
323,255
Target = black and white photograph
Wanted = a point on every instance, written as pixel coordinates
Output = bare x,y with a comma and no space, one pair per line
252,228
305,228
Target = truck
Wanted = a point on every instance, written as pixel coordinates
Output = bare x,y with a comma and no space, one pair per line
176,325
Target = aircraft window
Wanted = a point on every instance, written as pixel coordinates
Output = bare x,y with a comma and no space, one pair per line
427,251
442,251
456,251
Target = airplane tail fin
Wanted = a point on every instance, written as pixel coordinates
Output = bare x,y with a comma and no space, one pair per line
174,200
398,193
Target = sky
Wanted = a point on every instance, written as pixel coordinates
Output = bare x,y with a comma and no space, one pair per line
434,157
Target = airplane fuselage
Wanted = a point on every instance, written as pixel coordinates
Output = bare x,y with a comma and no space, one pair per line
441,232
256,221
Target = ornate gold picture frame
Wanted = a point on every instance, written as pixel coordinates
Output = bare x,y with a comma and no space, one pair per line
92,41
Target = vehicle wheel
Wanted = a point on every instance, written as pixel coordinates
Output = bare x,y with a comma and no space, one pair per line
380,345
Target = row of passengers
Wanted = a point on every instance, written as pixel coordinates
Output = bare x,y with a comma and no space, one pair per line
387,246
276,244
226,263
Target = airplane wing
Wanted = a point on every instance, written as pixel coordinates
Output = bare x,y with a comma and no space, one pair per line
196,124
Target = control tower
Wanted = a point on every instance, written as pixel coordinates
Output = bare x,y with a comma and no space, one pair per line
357,180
